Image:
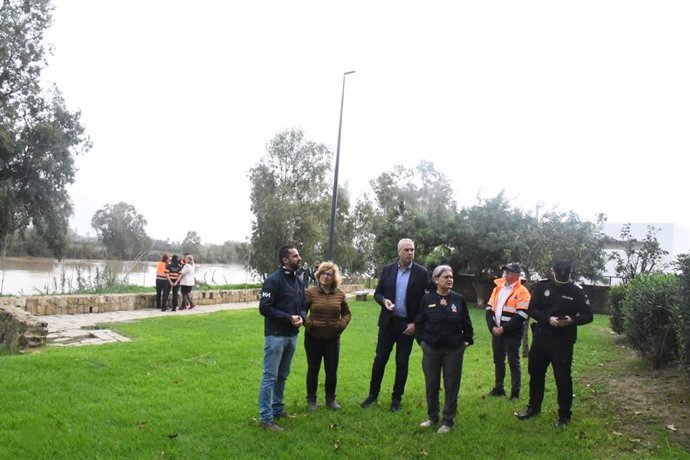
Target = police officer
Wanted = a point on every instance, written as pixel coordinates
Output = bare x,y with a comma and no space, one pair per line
558,306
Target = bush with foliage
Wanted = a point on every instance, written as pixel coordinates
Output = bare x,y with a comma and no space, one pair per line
682,264
650,309
617,319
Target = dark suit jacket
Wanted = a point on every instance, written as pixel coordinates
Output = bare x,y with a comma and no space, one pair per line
416,287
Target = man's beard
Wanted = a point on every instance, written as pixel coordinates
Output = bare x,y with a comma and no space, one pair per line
292,266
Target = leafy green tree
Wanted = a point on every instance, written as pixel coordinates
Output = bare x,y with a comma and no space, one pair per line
343,249
363,238
39,137
559,235
486,236
191,243
416,203
290,200
638,257
121,230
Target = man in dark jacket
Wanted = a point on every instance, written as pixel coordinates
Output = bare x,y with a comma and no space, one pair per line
558,306
283,306
399,292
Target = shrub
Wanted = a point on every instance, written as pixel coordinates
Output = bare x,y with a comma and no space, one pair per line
616,296
682,264
650,308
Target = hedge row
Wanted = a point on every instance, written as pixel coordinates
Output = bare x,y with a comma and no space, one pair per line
653,312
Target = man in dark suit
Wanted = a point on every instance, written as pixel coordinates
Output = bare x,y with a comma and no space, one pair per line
399,292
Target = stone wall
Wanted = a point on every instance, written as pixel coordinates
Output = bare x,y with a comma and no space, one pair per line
20,331
104,303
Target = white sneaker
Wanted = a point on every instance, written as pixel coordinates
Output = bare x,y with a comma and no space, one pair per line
426,424
444,429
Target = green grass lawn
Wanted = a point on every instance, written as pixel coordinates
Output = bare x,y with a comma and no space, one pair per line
186,388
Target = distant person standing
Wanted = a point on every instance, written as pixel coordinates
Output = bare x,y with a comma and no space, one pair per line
161,281
329,315
506,313
187,282
312,275
399,292
559,306
172,273
282,304
304,274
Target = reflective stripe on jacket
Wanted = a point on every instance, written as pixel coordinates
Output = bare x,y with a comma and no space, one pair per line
514,311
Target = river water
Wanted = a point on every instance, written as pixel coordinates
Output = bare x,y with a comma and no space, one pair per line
26,276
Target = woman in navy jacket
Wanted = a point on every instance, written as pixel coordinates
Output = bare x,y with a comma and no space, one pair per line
446,330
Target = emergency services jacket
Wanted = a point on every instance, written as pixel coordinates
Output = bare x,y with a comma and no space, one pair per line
514,311
444,321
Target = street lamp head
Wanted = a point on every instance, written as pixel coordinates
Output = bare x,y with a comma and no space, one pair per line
348,73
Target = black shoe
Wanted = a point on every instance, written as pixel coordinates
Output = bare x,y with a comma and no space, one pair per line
368,402
527,413
514,395
562,422
396,406
497,392
270,426
333,404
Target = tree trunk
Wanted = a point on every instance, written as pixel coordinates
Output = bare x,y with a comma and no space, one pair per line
479,290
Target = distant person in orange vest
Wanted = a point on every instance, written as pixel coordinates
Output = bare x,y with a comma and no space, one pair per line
506,313
187,282
161,281
172,273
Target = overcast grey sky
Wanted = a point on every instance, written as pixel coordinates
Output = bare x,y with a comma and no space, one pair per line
581,105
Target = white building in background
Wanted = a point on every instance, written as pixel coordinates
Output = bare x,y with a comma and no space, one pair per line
671,238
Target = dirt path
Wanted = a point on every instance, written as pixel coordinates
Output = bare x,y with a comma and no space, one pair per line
646,402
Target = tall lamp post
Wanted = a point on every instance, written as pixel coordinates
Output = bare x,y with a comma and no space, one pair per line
334,201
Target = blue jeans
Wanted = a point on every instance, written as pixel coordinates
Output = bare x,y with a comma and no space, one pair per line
278,353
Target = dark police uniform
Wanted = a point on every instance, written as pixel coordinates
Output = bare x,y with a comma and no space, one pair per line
554,345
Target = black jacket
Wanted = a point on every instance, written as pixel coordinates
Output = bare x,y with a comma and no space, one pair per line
552,299
446,325
282,296
416,286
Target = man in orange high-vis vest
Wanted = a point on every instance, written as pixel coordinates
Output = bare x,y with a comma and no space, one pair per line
505,314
